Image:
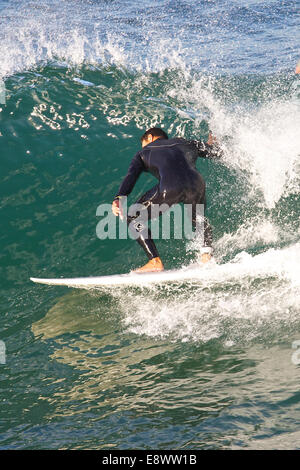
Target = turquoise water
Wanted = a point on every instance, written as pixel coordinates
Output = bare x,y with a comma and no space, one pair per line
185,365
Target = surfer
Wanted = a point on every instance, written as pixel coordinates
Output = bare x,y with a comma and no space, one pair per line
173,163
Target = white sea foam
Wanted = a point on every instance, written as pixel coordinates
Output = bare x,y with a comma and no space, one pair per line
265,143
247,299
261,140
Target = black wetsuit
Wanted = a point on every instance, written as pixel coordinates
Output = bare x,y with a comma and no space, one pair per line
173,163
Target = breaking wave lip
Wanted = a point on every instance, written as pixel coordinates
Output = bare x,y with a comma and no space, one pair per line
57,32
87,32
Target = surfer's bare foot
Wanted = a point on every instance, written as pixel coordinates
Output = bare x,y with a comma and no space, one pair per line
154,265
205,257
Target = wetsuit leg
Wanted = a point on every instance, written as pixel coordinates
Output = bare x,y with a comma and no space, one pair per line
138,223
199,221
206,227
139,216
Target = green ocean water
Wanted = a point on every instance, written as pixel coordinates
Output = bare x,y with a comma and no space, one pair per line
186,365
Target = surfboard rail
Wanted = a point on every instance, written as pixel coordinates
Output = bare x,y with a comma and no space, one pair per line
122,279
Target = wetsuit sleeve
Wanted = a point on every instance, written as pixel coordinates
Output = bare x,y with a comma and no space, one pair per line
135,169
205,150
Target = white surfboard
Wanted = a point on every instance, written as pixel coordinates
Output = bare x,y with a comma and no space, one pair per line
125,279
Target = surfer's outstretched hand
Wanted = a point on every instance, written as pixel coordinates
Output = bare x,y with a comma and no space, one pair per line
212,140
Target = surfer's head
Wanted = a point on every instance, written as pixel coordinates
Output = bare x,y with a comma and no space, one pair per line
152,134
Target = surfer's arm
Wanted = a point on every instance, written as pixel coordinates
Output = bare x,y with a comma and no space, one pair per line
209,149
135,169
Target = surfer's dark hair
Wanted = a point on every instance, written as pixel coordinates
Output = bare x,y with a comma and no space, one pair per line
155,132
